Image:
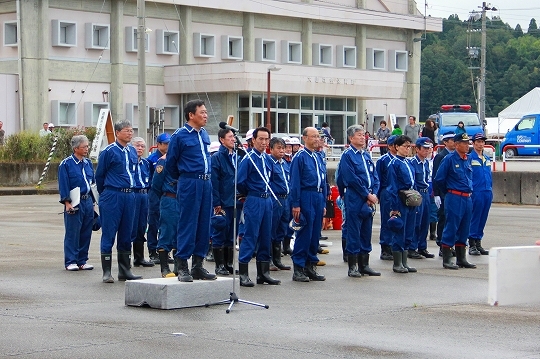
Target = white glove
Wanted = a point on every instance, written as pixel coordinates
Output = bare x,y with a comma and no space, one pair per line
437,201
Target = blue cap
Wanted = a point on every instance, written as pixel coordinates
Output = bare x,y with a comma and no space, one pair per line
462,137
219,222
340,203
479,136
366,211
163,138
96,224
391,140
424,142
395,223
296,226
448,136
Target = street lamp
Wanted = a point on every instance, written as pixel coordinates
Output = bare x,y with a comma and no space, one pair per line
268,122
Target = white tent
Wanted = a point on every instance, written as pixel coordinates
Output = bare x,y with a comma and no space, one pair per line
525,105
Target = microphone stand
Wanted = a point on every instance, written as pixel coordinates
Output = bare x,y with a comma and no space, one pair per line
233,297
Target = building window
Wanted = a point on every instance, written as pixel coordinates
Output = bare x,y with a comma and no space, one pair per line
322,55
346,56
232,47
167,42
375,59
398,60
91,112
132,115
171,116
291,52
10,33
265,50
97,36
204,45
132,42
64,33
63,113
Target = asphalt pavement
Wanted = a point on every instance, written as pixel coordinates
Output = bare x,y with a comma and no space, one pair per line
47,312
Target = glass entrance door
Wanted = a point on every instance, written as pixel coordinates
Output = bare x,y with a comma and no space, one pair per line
337,129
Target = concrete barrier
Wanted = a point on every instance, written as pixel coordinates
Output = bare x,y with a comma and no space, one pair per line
507,187
22,174
530,188
514,275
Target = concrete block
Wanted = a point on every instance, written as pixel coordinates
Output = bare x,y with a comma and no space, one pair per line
530,188
169,293
514,275
507,187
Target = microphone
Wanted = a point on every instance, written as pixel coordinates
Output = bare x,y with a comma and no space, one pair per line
224,126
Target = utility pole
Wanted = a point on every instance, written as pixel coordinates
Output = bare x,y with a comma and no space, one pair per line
482,81
141,67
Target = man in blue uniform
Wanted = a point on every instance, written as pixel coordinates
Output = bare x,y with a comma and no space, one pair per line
153,200
482,194
359,177
76,171
164,187
307,197
115,180
454,178
385,236
223,199
401,177
281,211
142,184
449,147
418,247
254,176
188,160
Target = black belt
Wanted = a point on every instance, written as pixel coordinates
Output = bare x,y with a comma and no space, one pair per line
141,190
85,196
201,176
312,189
424,190
125,190
259,194
282,195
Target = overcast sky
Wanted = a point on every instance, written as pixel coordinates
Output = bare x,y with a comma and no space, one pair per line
512,12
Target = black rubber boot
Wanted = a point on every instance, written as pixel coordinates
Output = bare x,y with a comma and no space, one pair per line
473,251
154,256
276,256
176,263
404,261
432,231
482,251
398,263
138,256
198,271
243,274
287,246
461,258
298,274
363,265
229,258
425,253
165,270
311,272
447,258
413,254
210,254
353,268
183,270
343,250
124,270
220,261
263,274
106,264
386,253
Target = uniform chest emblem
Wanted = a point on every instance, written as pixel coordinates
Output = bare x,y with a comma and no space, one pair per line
457,166
159,169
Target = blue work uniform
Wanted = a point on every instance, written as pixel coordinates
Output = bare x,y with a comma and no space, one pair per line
385,235
223,194
308,191
482,194
357,171
281,214
142,184
401,177
188,160
153,205
441,218
341,190
454,177
115,179
73,173
258,206
421,184
164,187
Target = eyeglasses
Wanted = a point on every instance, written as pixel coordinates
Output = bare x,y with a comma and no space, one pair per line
314,136
83,147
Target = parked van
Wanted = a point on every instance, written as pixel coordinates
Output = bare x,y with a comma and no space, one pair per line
449,117
525,132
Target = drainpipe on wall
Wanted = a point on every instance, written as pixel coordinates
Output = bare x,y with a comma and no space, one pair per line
19,66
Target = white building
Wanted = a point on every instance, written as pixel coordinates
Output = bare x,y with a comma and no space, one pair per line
340,61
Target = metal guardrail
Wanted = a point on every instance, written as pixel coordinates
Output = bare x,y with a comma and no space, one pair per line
503,151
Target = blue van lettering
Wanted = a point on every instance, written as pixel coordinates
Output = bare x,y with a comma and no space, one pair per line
523,139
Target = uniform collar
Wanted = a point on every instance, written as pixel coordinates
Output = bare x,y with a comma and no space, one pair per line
76,160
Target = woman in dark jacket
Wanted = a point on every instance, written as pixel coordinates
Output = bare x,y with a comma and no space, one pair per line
429,130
